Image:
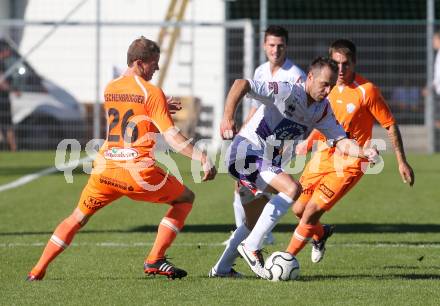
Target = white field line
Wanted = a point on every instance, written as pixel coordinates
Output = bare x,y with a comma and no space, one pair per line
33,176
218,244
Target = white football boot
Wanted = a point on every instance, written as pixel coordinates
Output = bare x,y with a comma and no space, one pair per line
318,247
254,259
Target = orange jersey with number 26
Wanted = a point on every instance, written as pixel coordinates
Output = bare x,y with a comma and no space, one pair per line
136,111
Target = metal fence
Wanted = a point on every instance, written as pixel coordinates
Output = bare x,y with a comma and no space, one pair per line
55,86
391,55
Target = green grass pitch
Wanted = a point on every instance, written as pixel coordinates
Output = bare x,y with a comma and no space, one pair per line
385,251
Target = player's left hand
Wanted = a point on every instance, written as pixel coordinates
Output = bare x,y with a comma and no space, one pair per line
407,173
173,104
208,168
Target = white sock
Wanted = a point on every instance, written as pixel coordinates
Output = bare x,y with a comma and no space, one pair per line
238,210
271,214
226,260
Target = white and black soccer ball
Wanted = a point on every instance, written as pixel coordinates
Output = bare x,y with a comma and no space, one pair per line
281,266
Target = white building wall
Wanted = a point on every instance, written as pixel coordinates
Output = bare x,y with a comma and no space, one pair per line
68,57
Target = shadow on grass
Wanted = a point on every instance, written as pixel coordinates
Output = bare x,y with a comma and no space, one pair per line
413,276
21,171
346,228
411,267
289,228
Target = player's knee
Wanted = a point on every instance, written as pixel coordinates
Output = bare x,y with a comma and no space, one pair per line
186,197
190,196
298,209
294,190
312,207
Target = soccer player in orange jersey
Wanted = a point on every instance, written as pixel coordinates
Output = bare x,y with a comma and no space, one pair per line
125,165
356,103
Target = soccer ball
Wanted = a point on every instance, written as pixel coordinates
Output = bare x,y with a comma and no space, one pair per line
281,266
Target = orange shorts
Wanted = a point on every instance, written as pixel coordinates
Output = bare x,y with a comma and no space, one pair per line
149,184
325,188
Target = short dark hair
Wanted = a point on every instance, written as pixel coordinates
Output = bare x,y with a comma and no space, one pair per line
277,31
141,49
345,47
321,62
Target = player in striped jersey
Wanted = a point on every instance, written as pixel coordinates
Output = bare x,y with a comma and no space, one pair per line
290,112
278,68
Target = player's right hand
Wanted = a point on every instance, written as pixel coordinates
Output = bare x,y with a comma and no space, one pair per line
173,104
372,155
209,169
407,173
227,129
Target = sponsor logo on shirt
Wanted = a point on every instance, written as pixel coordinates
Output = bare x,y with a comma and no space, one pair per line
326,191
121,154
288,129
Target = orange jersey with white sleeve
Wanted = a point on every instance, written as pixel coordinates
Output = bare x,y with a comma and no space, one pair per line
357,106
136,112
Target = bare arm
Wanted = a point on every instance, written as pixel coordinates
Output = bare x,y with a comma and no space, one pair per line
306,145
405,170
396,140
350,147
183,145
238,90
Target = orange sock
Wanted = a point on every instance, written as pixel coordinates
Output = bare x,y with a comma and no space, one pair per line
59,241
319,232
168,229
300,237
